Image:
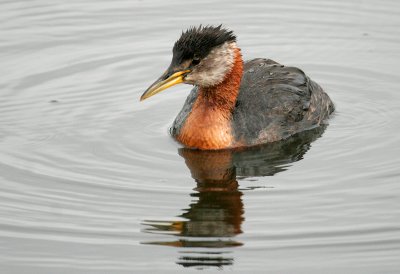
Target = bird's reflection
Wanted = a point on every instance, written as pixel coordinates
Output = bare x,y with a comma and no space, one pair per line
210,224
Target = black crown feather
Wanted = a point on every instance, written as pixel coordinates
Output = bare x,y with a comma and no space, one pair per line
199,41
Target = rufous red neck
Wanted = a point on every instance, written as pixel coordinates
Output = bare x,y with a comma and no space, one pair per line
224,94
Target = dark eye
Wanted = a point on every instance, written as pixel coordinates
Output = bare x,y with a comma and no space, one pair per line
195,61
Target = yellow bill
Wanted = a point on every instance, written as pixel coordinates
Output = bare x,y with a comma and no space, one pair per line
160,85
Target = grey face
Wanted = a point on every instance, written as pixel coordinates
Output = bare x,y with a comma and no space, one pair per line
211,70
202,56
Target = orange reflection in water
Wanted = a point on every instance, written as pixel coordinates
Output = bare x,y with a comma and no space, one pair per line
213,220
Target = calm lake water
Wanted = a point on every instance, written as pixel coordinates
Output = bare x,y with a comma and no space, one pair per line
91,182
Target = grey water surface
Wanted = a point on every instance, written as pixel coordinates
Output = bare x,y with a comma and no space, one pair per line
91,182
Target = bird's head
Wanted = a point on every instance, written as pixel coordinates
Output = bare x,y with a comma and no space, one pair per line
202,56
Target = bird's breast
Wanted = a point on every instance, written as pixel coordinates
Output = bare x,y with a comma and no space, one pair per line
206,127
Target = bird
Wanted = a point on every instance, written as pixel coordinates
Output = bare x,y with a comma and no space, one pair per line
236,104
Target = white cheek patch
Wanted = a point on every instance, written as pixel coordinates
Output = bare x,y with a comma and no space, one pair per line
212,69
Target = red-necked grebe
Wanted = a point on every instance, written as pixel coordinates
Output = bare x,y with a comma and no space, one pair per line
236,104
